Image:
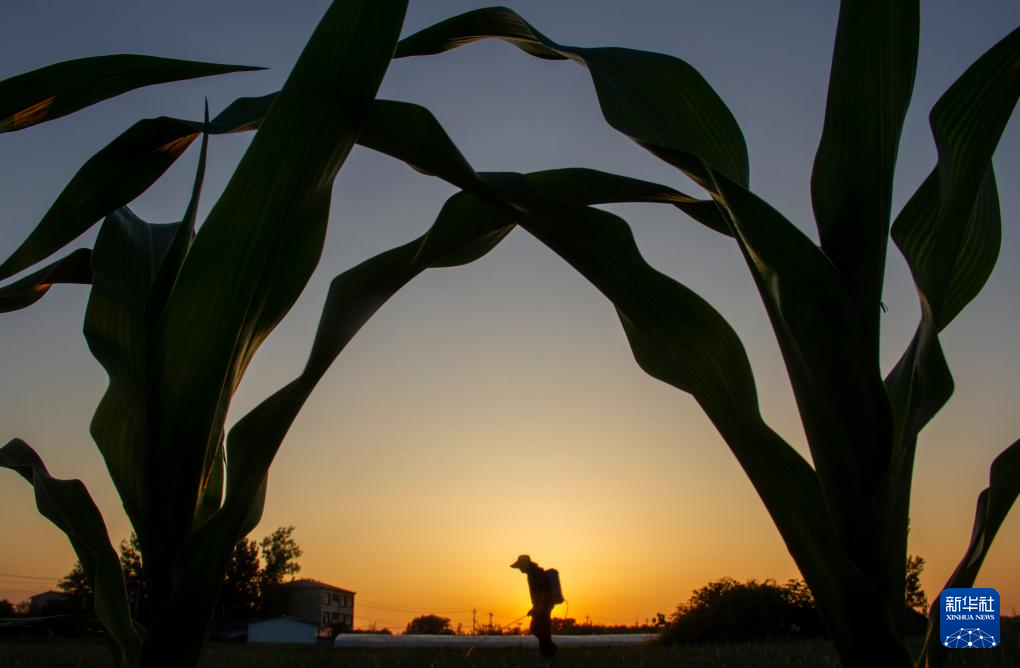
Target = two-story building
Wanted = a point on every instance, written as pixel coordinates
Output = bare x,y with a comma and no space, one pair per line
316,603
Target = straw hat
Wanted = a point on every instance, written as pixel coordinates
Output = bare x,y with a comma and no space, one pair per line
523,562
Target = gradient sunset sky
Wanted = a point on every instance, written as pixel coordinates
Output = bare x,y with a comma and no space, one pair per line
496,409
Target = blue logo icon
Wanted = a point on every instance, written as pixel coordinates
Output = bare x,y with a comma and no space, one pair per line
969,618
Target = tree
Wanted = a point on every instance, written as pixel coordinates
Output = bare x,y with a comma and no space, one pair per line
240,596
730,611
280,553
916,599
77,588
429,625
134,579
6,608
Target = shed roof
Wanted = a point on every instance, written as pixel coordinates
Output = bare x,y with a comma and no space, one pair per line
308,583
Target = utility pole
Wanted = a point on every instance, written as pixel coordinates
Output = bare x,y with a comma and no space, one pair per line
474,623
490,622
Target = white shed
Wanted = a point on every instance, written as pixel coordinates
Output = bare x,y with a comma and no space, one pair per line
282,630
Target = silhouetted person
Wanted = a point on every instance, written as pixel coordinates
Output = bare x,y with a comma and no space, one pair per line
544,595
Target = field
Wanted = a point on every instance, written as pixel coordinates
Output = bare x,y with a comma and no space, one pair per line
807,654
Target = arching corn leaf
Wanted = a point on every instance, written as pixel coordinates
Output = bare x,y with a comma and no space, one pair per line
637,91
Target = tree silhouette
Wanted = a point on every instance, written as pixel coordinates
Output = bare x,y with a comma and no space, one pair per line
134,580
77,589
240,596
432,625
280,553
916,598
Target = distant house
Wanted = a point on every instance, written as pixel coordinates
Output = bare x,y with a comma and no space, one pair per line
314,602
48,602
283,630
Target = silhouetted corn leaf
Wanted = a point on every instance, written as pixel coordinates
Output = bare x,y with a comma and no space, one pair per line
134,265
638,90
63,88
183,238
967,123
872,78
125,261
117,174
68,505
75,268
411,134
109,180
840,395
993,505
949,231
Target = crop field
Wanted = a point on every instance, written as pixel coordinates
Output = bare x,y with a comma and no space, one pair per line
807,654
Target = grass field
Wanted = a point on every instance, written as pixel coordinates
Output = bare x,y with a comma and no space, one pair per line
806,654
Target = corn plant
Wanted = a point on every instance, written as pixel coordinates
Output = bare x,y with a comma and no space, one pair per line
174,314
844,515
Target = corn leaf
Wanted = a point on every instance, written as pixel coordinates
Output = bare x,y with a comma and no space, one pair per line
873,66
109,180
949,232
842,401
659,101
134,264
69,506
950,250
63,88
126,259
118,173
993,505
75,268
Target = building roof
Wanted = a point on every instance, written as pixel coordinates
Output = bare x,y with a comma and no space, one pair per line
308,583
48,595
282,618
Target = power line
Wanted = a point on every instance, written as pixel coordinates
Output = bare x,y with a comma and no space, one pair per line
408,609
28,577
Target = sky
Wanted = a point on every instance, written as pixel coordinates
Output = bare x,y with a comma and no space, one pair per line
495,409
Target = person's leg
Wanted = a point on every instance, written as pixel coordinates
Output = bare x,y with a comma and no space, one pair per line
541,627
